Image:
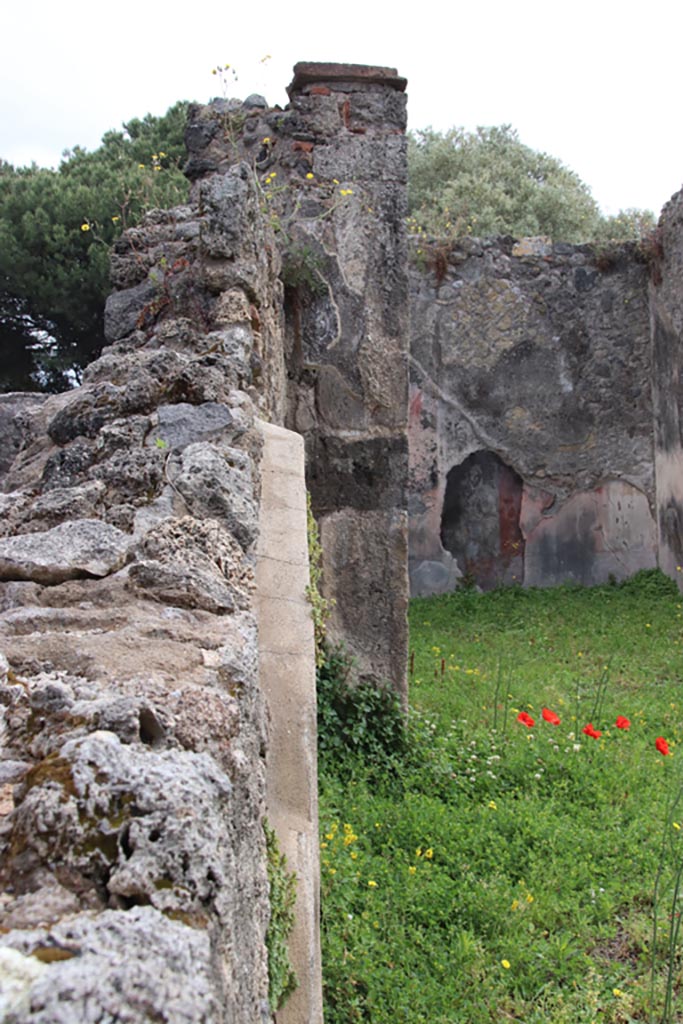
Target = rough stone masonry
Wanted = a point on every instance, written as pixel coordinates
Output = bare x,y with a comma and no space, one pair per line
332,169
545,441
135,730
132,781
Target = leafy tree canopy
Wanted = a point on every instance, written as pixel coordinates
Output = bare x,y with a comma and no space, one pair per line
56,230
487,182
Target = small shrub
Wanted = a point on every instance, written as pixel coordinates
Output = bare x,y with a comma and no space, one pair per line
358,722
301,269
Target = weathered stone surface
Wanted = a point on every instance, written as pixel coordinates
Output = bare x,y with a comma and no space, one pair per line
666,299
357,473
184,424
132,792
531,359
216,482
224,200
15,419
77,548
124,309
435,577
141,965
608,532
352,541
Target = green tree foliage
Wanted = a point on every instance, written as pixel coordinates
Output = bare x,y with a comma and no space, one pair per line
56,230
488,182
626,226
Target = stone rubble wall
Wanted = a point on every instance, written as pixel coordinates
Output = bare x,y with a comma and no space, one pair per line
133,785
132,852
666,322
332,169
531,378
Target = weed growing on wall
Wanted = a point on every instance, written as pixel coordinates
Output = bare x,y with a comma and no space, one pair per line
282,980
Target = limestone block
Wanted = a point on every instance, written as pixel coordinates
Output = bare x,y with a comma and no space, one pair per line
216,482
82,547
193,564
128,966
183,424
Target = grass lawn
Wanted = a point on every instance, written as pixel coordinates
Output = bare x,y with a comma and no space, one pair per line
479,869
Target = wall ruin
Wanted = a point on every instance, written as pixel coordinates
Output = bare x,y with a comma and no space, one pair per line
133,863
531,385
139,667
137,757
332,168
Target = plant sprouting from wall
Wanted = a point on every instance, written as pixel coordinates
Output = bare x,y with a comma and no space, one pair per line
282,980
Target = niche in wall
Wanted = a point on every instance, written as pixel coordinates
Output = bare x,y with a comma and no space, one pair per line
480,520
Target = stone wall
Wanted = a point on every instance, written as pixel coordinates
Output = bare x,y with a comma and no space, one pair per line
531,419
666,314
134,683
132,785
332,171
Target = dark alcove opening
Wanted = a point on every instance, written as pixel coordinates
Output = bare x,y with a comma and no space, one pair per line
480,520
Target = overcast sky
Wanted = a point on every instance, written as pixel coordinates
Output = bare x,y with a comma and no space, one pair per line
595,83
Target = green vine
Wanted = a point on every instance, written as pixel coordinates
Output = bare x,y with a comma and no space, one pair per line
282,980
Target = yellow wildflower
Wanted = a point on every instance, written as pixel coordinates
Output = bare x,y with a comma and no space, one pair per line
429,853
412,869
85,227
372,885
506,964
310,176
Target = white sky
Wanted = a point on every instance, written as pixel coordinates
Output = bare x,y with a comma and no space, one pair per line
595,83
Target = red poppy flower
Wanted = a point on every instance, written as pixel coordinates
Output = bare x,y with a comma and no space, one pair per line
550,716
662,746
594,734
622,722
526,720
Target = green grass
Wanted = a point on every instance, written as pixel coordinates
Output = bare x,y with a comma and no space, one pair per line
484,871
